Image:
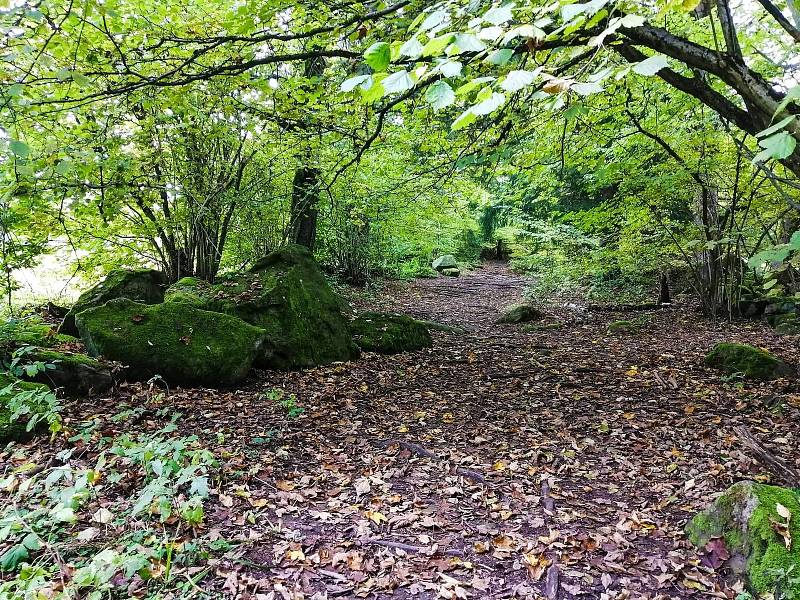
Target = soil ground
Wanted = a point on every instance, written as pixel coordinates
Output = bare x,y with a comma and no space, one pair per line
506,461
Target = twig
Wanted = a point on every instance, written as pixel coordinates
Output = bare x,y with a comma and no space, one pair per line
774,464
424,452
409,548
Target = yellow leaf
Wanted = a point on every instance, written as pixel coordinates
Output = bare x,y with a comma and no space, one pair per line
403,428
448,417
296,555
376,517
632,372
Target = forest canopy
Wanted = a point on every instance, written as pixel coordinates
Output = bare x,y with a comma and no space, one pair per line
198,137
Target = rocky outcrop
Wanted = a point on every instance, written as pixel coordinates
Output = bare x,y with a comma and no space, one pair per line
519,313
286,295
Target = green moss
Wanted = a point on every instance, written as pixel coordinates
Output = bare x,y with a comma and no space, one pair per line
744,516
389,333
140,285
181,343
622,327
520,313
73,373
30,332
286,294
751,362
16,430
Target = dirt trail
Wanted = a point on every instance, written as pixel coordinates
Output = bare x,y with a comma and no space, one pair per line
467,469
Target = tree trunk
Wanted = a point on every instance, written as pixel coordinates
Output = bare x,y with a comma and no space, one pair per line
305,195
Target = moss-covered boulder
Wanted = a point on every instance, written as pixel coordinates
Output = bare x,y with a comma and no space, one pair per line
140,285
749,361
760,540
451,272
519,313
15,429
287,295
73,373
182,344
446,261
389,333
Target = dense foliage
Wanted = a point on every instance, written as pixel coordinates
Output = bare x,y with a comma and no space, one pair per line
605,144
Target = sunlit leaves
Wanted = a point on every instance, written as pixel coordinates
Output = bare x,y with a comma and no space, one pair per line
412,48
440,95
516,80
467,42
651,66
359,80
378,56
397,83
500,57
779,146
499,14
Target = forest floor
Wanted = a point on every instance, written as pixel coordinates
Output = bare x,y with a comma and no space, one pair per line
506,461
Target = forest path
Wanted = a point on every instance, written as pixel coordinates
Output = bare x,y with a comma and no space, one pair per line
465,470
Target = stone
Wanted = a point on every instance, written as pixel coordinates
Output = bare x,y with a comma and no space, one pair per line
16,429
75,374
451,272
744,524
519,313
752,363
389,333
287,295
180,343
140,285
445,261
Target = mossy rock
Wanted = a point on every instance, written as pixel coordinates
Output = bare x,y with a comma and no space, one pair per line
287,295
182,344
785,324
16,333
451,272
75,374
743,518
140,285
389,333
622,327
446,261
17,430
751,362
519,313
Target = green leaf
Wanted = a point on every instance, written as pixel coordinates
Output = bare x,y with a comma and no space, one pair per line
467,42
777,127
516,80
412,48
491,104
440,95
651,66
570,11
451,68
777,146
792,95
378,56
397,82
500,57
19,149
499,14
12,557
465,119
434,20
350,84
437,45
